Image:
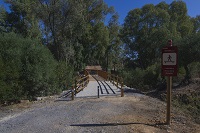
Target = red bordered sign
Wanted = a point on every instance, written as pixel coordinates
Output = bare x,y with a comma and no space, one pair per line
169,61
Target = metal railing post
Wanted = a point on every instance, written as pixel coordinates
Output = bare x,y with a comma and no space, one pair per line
98,91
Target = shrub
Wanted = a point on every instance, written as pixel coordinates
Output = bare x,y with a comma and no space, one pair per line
194,69
64,75
38,71
143,79
27,69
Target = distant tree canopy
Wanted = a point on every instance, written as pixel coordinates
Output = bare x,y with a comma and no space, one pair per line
74,31
146,30
44,41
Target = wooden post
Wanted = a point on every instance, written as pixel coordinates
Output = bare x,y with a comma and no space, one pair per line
169,89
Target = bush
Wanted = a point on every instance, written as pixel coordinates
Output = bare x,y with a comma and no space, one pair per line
144,80
38,71
194,69
152,76
133,78
64,75
10,67
180,75
27,69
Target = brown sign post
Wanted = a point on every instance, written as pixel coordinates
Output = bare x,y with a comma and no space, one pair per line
169,69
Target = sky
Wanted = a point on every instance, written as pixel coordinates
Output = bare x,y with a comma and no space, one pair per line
124,6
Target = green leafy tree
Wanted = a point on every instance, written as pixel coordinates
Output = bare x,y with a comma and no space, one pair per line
189,52
22,18
28,69
147,30
114,51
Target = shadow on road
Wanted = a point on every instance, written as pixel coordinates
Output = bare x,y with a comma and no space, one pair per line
115,124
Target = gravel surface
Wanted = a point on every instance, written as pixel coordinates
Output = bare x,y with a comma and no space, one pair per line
134,113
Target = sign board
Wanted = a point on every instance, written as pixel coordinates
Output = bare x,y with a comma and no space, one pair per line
169,61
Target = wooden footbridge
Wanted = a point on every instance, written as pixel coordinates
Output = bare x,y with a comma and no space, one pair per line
96,83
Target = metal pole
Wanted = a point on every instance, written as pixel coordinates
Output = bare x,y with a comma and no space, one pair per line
98,91
169,90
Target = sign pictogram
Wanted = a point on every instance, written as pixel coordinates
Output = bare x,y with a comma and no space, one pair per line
169,61
169,58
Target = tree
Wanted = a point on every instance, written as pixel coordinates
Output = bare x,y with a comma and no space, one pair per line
189,51
3,16
27,69
71,29
113,51
22,18
147,30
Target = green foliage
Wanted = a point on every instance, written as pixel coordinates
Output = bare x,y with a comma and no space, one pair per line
27,68
74,32
188,103
144,80
22,18
114,51
194,69
64,75
38,70
10,53
147,30
180,76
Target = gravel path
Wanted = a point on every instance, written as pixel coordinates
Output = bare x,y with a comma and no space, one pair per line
134,113
62,117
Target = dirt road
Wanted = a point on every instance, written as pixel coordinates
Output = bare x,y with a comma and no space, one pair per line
133,113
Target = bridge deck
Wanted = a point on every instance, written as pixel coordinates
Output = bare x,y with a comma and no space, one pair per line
106,88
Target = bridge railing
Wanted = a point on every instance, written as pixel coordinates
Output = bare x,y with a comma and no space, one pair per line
80,83
115,79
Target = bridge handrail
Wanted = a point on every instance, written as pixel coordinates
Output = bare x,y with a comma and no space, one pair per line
80,83
115,79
